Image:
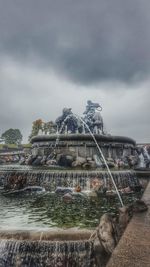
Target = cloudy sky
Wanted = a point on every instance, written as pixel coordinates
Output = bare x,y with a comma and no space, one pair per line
60,53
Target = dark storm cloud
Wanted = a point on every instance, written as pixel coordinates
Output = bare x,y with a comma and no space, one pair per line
28,93
88,41
50,50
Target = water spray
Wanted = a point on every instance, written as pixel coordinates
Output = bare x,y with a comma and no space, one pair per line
102,155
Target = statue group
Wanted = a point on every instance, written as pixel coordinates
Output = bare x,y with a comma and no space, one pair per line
92,119
69,123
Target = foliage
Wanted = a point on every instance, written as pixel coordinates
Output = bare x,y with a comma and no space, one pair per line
45,127
26,145
49,127
12,136
36,126
2,146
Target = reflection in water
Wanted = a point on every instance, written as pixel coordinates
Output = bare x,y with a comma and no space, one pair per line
49,210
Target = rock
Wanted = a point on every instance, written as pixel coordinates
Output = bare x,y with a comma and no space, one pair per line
63,190
124,218
126,212
51,162
86,165
77,188
43,161
136,188
111,164
15,182
65,160
100,255
105,240
89,165
96,183
69,157
22,161
78,162
31,159
106,231
126,190
110,160
110,230
92,194
92,163
2,161
75,164
37,161
89,159
67,197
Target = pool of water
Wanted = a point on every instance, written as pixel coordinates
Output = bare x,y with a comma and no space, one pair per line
44,210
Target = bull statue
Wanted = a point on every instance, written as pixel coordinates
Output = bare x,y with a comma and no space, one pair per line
97,123
68,123
93,118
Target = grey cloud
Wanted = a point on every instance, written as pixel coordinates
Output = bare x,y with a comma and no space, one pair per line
87,41
64,52
29,93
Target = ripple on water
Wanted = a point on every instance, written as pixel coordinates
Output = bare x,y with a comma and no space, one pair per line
49,210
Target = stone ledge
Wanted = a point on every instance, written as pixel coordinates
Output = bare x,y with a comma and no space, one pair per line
133,250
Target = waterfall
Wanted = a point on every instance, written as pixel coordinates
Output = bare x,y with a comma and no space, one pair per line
50,180
25,253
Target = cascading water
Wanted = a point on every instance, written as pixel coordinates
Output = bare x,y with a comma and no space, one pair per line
42,253
51,180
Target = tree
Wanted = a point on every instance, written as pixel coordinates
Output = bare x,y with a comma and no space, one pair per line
12,136
49,127
36,126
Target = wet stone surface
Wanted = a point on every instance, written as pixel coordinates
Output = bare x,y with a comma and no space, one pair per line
134,247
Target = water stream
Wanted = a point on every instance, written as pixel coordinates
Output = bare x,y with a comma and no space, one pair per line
102,155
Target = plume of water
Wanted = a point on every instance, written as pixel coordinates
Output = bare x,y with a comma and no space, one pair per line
102,156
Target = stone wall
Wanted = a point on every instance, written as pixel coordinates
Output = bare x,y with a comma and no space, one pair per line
84,149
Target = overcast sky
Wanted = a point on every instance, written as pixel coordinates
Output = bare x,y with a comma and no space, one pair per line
61,53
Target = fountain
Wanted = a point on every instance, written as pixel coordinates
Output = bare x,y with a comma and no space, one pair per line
79,149
75,168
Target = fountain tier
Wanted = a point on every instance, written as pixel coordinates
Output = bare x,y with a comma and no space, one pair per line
45,249
82,145
74,141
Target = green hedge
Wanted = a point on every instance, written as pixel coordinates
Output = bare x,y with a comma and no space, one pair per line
14,146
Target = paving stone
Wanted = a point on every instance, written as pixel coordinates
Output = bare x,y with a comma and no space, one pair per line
125,262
